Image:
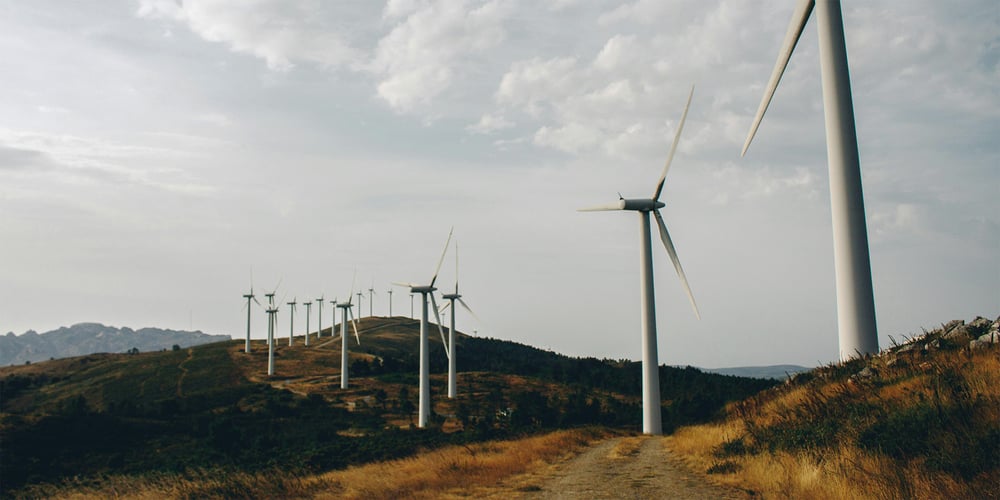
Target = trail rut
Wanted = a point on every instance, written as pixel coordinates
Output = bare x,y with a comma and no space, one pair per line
631,467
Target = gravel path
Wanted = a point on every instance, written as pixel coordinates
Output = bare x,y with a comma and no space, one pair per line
631,467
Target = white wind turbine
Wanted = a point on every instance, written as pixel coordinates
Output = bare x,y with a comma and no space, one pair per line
308,314
371,300
249,297
291,321
272,311
319,320
360,295
345,316
451,298
651,423
424,408
389,291
855,299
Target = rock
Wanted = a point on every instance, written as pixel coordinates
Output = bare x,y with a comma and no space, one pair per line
865,373
951,324
960,333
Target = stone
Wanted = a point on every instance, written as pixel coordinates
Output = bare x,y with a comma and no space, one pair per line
960,333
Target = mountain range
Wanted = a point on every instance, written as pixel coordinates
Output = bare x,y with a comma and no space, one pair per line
88,338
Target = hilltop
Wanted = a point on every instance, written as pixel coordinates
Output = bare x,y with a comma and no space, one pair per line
89,338
212,407
919,420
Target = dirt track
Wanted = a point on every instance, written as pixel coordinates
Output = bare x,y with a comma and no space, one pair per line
632,467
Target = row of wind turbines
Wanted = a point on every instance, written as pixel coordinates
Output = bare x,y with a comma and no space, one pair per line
855,299
426,293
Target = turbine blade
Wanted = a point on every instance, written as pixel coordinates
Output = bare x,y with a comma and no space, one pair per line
354,323
669,245
795,27
618,205
440,328
350,296
673,147
441,260
467,308
407,285
445,306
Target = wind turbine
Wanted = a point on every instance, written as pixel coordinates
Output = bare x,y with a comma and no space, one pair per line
291,324
319,321
371,301
856,327
333,316
249,297
451,298
389,291
651,423
308,314
271,311
345,316
360,296
424,408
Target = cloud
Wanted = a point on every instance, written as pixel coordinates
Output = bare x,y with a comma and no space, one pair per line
425,52
281,33
489,123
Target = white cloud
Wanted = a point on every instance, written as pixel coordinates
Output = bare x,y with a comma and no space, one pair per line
490,123
281,33
424,53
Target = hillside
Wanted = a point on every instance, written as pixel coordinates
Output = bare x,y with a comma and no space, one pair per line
89,338
919,420
211,407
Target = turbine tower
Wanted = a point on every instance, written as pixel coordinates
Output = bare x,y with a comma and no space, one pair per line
424,408
308,314
319,321
389,291
856,327
651,423
360,296
333,316
371,300
346,315
271,311
249,297
451,298
291,323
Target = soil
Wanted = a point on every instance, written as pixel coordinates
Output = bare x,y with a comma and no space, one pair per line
629,467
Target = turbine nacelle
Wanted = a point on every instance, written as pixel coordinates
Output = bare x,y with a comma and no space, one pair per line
641,205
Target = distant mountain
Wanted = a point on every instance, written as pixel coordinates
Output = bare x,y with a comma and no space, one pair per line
774,371
89,338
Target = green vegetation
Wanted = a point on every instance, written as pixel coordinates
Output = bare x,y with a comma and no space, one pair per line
187,411
921,420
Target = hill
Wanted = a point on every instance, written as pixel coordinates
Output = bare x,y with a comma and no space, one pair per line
89,338
919,420
212,407
779,372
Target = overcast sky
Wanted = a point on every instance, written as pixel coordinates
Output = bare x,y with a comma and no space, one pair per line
152,154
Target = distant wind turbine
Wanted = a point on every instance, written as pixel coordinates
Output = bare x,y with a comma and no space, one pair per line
389,291
346,315
852,263
371,300
651,423
249,297
320,302
308,314
291,321
451,298
424,408
360,296
271,311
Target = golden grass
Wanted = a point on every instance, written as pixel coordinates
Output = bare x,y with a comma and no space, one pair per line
475,470
846,470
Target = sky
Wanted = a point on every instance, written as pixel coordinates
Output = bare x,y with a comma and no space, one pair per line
156,156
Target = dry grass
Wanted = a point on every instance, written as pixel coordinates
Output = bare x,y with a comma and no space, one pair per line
728,452
460,471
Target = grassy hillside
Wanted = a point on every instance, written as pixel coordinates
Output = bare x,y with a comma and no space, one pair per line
920,420
212,407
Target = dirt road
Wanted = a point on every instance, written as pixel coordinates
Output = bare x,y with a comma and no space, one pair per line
630,467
